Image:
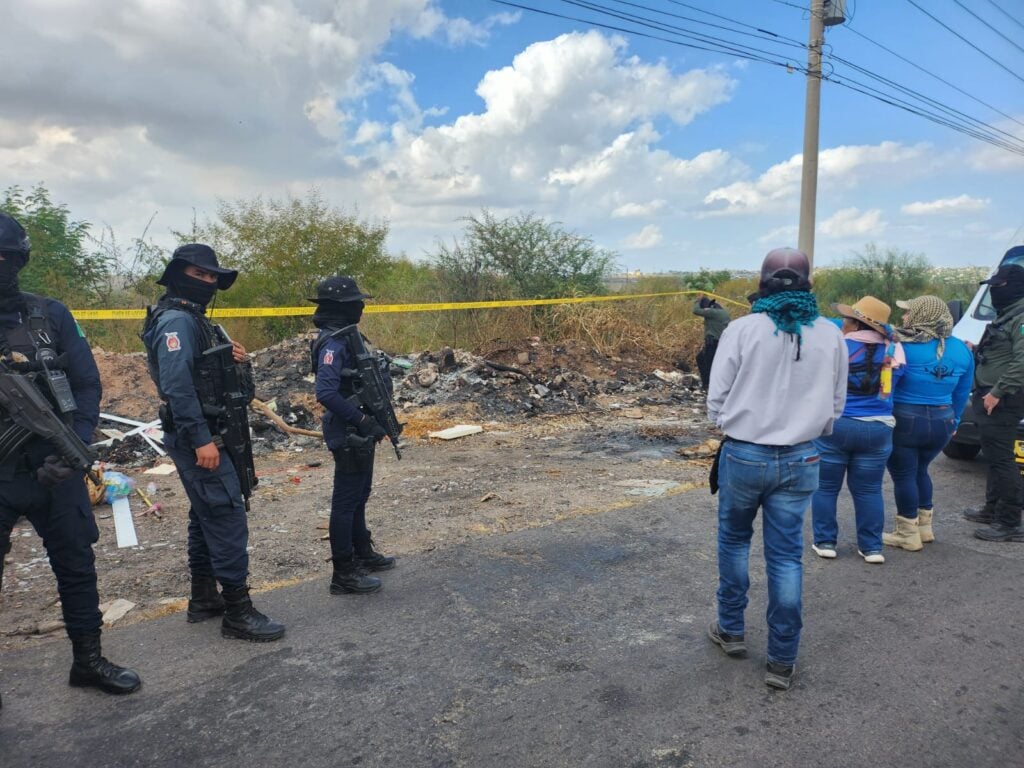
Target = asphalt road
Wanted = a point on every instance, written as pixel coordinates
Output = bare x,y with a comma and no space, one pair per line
577,644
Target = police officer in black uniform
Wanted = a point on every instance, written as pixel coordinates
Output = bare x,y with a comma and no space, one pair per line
34,481
351,435
176,334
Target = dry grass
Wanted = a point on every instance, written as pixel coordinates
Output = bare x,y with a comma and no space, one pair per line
432,418
660,329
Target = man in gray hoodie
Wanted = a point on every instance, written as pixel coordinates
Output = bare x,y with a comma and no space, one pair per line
778,382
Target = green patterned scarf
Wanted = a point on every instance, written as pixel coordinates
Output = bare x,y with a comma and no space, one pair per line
790,311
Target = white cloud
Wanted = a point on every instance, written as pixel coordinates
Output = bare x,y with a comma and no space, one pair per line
464,32
648,237
639,210
849,222
257,84
947,205
992,159
568,119
778,188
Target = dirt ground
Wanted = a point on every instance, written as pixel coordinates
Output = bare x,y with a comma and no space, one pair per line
621,446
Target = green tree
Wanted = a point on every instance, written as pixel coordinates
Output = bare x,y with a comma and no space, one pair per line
283,248
535,257
887,275
706,279
63,263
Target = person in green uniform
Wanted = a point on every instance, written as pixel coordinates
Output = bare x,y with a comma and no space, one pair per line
999,406
716,318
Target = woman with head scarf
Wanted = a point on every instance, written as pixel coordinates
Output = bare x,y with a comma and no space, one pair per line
929,400
861,439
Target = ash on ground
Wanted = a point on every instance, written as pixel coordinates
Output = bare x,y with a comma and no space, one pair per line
507,382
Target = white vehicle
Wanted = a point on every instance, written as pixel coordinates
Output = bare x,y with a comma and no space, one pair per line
965,443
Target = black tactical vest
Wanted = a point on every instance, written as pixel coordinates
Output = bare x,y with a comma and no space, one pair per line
347,385
204,376
20,348
28,337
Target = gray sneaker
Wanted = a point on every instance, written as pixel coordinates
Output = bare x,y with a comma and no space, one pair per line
779,675
732,645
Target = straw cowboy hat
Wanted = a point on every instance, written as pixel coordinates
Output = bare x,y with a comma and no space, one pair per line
870,311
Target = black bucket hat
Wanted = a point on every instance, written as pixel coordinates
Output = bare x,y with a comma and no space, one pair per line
339,289
198,255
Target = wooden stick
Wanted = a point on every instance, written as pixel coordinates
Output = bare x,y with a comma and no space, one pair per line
280,423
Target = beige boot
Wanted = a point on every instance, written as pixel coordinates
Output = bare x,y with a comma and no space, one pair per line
924,526
907,535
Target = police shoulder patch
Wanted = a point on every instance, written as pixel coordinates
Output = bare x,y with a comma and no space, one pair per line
328,357
172,341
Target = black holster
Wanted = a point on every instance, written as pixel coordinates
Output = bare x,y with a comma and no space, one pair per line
166,419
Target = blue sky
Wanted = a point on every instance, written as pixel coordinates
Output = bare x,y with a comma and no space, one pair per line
421,112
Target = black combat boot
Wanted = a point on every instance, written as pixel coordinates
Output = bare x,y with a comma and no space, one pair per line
370,559
206,602
91,670
243,622
986,515
349,578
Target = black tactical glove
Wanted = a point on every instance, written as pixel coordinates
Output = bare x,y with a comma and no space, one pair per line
369,427
54,471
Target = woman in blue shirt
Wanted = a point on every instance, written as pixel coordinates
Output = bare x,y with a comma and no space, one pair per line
929,400
861,439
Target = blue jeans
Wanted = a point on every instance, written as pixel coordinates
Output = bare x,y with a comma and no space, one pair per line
780,480
921,433
857,450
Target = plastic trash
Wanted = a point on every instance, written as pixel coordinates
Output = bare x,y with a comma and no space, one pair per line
118,486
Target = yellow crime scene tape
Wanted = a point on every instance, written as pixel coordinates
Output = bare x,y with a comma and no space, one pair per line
140,314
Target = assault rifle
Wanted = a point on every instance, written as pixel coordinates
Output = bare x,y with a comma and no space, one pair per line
232,416
371,391
33,414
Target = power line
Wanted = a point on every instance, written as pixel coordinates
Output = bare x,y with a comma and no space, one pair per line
888,98
953,31
932,74
794,5
953,118
1011,42
638,33
728,45
954,113
899,104
760,34
1014,19
737,22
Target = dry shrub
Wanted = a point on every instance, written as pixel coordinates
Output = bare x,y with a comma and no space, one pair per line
661,329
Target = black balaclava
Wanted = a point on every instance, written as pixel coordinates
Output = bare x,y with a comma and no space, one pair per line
192,289
10,293
1008,293
338,314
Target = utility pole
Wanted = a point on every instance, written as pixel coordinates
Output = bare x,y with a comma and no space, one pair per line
812,111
